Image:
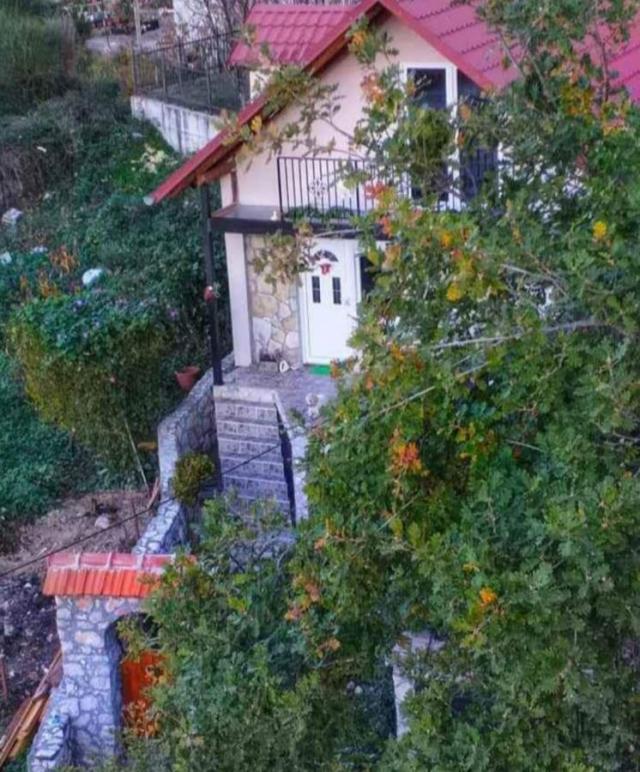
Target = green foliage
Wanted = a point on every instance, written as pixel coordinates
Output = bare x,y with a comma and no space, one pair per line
100,362
192,470
478,474
243,688
94,364
37,54
39,463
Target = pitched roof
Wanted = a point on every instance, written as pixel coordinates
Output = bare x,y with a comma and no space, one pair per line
289,31
451,28
209,158
99,574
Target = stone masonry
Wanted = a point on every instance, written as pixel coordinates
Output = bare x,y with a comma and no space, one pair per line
250,446
274,312
84,715
88,701
191,427
83,718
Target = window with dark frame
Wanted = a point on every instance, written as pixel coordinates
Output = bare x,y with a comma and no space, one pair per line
337,291
315,289
368,273
476,163
430,87
430,84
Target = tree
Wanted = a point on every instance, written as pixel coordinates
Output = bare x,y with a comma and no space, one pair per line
478,474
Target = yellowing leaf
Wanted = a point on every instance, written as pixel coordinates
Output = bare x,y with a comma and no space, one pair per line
454,293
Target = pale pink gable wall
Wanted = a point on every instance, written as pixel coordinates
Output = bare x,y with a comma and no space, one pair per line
257,180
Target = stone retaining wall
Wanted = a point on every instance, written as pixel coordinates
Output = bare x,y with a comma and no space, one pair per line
88,701
83,717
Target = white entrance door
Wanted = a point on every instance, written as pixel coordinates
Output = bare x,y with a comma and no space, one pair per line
329,298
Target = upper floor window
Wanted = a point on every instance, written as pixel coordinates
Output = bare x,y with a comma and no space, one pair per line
430,87
437,88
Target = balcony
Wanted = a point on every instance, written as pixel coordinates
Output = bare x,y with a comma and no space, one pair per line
331,192
336,189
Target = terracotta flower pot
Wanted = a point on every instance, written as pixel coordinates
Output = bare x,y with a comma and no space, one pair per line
187,377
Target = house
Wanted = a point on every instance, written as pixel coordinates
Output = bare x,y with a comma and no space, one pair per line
442,45
307,322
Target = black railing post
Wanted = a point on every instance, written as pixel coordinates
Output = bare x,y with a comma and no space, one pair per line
163,66
206,63
211,291
180,60
278,160
134,69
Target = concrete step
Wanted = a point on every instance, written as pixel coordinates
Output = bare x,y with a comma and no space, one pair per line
247,447
256,487
243,506
252,411
251,429
260,467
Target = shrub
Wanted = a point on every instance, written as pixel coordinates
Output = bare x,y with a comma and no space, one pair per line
37,54
39,462
97,365
243,688
146,315
192,470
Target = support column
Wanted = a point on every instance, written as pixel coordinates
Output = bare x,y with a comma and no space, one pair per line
211,292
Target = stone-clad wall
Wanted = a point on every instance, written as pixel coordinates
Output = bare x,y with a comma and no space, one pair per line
275,323
190,427
83,717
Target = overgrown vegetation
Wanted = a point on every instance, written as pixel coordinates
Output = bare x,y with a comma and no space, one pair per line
243,687
478,475
37,51
39,463
99,360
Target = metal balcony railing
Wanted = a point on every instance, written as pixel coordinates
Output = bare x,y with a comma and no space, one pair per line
337,189
191,73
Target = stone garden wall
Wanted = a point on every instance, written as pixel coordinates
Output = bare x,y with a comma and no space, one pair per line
83,717
189,428
275,322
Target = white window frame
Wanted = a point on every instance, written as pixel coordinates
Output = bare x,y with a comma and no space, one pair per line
451,82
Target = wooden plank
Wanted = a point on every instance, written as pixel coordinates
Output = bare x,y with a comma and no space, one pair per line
27,718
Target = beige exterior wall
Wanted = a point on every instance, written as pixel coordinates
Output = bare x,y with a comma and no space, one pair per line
266,319
257,177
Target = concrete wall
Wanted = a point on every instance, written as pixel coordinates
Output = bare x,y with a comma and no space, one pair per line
186,131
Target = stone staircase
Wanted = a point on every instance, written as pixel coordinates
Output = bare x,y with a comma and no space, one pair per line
250,451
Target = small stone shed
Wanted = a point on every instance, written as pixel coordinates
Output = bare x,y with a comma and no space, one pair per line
93,592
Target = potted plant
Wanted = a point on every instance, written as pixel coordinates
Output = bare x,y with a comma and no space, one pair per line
187,377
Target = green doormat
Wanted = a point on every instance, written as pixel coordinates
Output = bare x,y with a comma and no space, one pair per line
320,369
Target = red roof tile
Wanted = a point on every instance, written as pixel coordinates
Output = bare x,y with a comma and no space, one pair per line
290,31
313,36
112,574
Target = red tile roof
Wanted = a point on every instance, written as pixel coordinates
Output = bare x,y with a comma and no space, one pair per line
112,574
290,31
451,28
